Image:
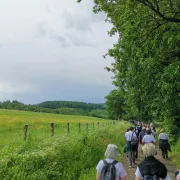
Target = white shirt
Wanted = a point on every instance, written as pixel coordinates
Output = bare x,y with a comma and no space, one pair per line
163,136
148,138
138,174
120,171
129,135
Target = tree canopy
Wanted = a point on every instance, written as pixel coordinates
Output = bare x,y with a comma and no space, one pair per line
59,107
147,56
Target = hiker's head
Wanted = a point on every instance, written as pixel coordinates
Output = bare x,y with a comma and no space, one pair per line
127,130
149,149
162,130
144,129
111,151
148,131
151,125
131,128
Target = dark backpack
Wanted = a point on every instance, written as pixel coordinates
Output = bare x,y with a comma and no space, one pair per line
108,171
150,177
134,140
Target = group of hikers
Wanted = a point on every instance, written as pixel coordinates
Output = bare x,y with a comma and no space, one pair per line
141,136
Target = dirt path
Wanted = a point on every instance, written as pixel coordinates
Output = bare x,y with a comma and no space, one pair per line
131,171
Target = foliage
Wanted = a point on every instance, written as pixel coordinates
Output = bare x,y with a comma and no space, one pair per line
59,157
115,104
70,104
59,107
175,155
147,57
100,113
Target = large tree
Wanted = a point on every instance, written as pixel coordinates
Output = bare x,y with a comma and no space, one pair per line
147,56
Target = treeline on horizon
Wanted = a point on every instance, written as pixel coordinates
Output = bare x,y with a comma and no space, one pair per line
59,107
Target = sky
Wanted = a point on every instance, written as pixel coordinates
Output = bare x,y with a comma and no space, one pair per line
52,50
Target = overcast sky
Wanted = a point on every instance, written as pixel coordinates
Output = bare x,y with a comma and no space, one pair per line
52,50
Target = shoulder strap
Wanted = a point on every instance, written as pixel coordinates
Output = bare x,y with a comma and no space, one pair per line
132,135
114,162
105,162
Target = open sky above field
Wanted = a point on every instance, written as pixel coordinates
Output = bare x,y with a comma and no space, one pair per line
52,50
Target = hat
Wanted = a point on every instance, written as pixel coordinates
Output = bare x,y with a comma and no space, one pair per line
143,128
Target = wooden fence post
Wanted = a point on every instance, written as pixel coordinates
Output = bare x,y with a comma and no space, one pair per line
79,127
25,131
52,129
98,124
68,128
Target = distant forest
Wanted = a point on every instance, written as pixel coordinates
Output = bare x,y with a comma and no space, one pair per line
59,107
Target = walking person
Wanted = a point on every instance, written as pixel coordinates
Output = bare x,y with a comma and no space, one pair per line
141,135
109,168
164,143
137,130
153,129
148,138
131,140
150,167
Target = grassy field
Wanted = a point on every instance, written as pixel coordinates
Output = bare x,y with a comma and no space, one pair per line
12,124
62,156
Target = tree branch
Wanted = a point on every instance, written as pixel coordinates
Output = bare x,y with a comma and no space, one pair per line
156,10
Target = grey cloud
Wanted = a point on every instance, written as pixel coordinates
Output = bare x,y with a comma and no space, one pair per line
81,22
76,22
63,42
77,41
41,30
44,31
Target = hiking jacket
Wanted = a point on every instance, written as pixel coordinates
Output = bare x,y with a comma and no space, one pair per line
151,166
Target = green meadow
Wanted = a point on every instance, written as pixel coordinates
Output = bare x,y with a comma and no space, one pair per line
63,156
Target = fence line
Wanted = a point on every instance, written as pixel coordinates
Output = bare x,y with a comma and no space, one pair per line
52,127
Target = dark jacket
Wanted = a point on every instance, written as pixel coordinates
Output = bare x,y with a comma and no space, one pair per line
151,166
164,144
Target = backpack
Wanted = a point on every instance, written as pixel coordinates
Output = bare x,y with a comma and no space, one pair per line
150,177
143,134
134,141
108,171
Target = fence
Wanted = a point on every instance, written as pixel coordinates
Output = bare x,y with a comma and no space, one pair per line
80,126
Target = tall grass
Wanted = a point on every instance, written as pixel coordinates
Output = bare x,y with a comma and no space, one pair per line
12,123
68,157
175,154
64,157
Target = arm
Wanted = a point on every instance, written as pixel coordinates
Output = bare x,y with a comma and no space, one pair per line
138,174
98,176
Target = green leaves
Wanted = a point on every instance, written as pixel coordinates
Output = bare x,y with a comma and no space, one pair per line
115,104
147,56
